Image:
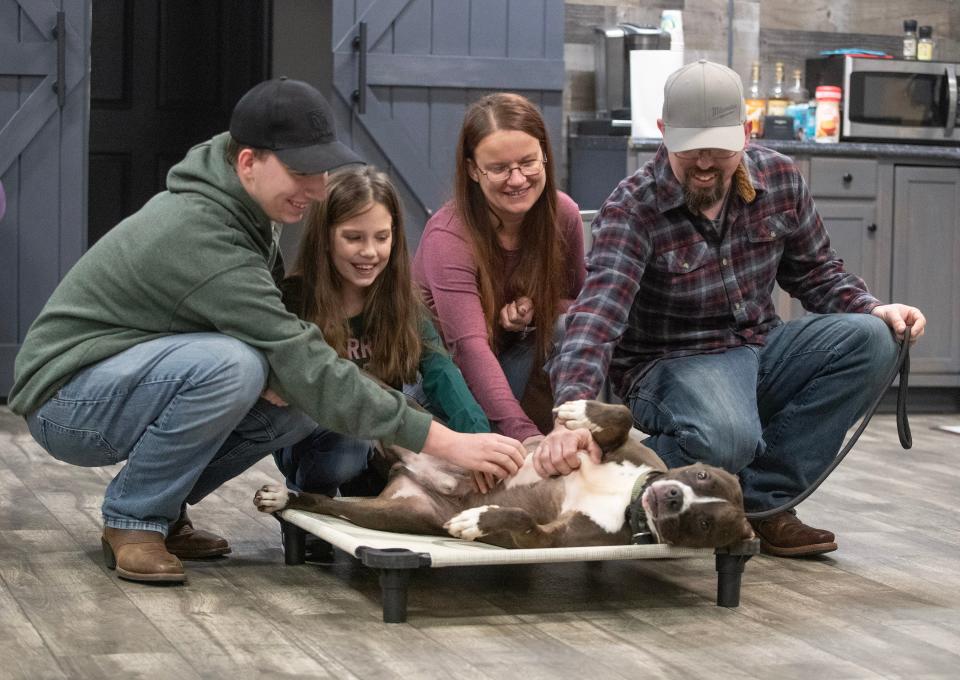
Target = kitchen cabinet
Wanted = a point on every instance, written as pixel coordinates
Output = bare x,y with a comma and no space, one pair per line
926,265
898,227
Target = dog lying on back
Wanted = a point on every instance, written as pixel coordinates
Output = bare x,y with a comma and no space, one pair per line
630,497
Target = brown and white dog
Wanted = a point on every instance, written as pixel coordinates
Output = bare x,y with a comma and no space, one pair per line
630,497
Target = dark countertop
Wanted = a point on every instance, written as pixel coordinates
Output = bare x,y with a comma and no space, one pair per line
918,152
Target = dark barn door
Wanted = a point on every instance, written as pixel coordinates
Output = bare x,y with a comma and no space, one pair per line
166,75
44,50
424,62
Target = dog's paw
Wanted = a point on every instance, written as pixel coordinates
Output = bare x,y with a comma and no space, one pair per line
573,414
271,498
466,525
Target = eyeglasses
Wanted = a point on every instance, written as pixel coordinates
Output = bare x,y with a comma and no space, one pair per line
713,154
501,173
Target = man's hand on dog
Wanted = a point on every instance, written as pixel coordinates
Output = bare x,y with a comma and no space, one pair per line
558,453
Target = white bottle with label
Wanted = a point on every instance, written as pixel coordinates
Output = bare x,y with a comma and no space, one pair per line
828,114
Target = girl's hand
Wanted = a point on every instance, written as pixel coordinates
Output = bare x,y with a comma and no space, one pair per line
517,315
273,398
484,481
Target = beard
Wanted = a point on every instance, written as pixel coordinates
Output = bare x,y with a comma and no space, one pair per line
700,198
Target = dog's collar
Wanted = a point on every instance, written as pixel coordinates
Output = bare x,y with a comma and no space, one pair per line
636,516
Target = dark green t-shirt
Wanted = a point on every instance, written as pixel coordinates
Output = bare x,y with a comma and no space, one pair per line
446,390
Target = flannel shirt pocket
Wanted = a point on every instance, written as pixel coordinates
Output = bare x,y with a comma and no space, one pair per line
772,227
685,259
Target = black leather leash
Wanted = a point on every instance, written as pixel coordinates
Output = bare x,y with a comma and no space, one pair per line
901,366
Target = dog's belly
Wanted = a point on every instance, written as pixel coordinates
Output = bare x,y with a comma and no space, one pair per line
602,492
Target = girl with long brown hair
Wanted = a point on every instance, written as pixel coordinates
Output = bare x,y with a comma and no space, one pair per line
501,261
352,279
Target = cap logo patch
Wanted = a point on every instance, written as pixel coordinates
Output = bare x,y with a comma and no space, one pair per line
721,111
320,123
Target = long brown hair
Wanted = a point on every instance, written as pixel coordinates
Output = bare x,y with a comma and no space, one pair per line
539,274
392,309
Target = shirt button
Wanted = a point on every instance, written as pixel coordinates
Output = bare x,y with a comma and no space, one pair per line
737,306
685,265
773,234
724,262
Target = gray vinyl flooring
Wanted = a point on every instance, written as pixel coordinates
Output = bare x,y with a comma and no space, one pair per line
886,605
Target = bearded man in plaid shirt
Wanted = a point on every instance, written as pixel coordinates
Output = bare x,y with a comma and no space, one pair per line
677,310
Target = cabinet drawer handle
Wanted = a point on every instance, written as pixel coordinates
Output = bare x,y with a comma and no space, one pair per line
847,178
871,228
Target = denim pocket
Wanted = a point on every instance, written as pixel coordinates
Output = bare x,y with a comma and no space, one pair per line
87,448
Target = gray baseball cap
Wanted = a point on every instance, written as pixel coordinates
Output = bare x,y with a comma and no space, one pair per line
703,108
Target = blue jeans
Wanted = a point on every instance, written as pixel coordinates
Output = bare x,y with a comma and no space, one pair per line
776,415
516,360
183,411
325,460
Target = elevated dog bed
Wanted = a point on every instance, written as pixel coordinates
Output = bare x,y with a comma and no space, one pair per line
396,555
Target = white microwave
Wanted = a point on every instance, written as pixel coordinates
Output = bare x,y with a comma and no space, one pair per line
892,100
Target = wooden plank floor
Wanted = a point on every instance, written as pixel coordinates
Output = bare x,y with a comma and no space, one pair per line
886,605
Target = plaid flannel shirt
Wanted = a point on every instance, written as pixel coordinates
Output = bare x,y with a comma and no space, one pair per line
662,283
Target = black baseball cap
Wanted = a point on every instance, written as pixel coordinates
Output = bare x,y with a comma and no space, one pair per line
294,121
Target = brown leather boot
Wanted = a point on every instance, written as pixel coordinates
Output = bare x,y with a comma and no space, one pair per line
189,544
140,556
784,535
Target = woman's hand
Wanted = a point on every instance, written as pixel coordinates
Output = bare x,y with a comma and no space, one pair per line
273,398
517,315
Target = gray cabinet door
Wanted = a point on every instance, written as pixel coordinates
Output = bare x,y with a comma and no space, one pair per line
926,263
854,236
43,165
425,62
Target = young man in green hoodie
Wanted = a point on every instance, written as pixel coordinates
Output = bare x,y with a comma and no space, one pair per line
157,345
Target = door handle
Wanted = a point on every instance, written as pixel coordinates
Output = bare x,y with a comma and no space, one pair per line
60,33
359,43
951,76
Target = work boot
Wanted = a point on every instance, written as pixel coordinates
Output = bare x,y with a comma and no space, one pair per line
140,556
188,543
784,535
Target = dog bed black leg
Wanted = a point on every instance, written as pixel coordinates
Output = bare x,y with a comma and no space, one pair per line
294,543
395,565
393,586
729,571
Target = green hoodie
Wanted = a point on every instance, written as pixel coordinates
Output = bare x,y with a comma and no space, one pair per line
197,258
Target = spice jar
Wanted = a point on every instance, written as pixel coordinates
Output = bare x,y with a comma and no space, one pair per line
910,39
828,114
925,44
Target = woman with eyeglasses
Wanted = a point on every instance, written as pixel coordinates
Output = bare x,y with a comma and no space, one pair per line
501,261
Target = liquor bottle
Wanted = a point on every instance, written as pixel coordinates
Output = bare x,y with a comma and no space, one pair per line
755,102
797,93
799,107
777,101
